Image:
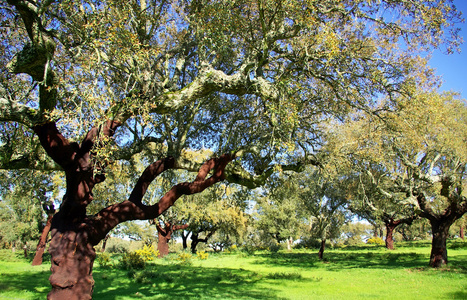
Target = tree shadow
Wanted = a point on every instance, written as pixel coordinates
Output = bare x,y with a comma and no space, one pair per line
179,281
35,284
341,260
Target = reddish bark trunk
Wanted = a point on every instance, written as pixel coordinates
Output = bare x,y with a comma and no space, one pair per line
42,242
165,235
389,237
439,254
461,232
73,256
321,249
391,224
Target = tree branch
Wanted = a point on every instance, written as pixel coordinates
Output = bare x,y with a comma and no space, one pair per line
134,209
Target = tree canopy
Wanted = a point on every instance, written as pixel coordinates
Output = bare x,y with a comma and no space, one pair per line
224,75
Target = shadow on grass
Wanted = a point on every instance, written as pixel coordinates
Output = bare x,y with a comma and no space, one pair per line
180,281
341,260
34,285
155,282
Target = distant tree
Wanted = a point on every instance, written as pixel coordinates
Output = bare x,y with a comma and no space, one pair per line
325,200
377,206
22,218
214,211
279,212
422,158
165,229
354,233
49,210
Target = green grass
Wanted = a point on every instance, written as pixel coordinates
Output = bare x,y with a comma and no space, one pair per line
349,273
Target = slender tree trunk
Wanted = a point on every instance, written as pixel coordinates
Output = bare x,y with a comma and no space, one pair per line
461,232
185,240
104,243
194,242
389,236
42,242
405,236
321,249
289,243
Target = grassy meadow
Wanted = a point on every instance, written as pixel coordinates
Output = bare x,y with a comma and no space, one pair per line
366,272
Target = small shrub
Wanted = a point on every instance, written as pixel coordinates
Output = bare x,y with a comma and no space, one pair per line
375,241
103,259
184,257
132,260
202,255
232,249
148,253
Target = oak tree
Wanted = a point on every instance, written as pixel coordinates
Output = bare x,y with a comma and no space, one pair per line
92,82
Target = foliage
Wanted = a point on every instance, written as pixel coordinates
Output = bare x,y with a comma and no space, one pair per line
202,255
132,260
278,213
104,260
117,245
354,233
217,214
375,241
184,257
23,194
148,253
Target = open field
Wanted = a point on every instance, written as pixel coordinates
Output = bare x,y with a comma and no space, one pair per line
348,273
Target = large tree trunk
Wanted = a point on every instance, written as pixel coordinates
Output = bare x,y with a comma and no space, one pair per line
72,256
42,243
321,249
439,254
163,244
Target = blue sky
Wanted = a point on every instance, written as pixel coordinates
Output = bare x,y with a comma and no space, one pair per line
453,67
